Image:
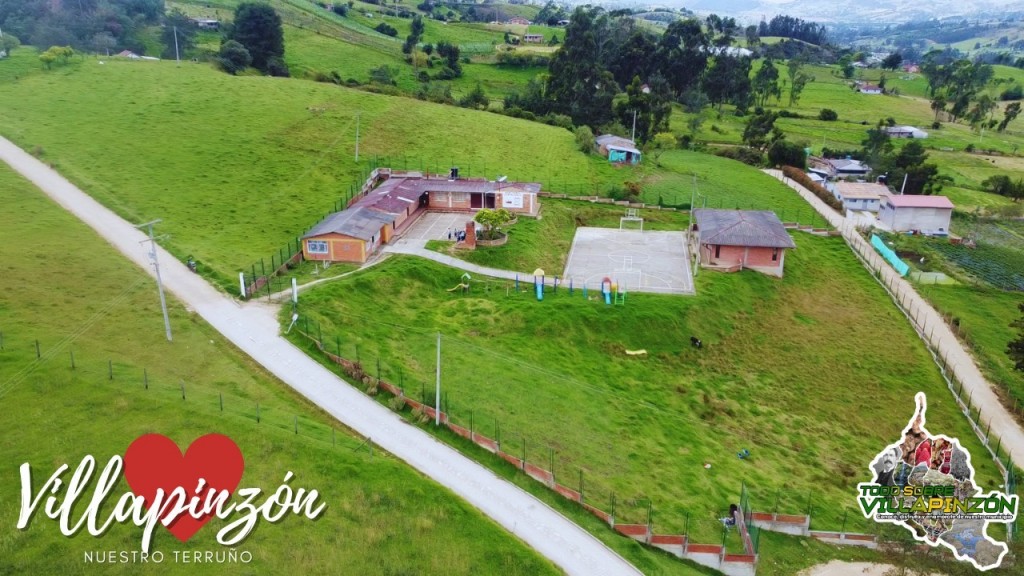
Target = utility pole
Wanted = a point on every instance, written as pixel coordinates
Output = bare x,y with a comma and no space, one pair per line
156,267
437,390
904,183
632,136
176,56
357,136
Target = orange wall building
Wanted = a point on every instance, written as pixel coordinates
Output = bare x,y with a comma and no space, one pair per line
731,240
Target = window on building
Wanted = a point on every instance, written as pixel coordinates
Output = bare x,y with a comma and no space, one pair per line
775,254
316,246
460,196
718,250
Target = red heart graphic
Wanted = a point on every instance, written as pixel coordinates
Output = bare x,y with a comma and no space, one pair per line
154,461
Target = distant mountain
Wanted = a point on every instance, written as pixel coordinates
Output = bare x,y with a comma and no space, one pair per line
849,11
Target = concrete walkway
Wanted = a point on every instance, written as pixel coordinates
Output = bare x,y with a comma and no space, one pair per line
416,247
931,327
254,328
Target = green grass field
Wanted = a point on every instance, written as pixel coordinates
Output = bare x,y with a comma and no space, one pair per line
239,166
775,376
73,294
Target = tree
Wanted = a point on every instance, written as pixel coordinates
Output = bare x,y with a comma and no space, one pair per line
578,85
938,105
258,28
233,57
636,111
892,61
752,38
9,42
784,153
766,83
877,145
475,98
979,114
760,131
1011,112
1015,348
728,81
682,54
797,79
661,142
492,221
1000,184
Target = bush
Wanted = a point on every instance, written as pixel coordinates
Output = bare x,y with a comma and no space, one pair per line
384,28
828,115
784,153
560,120
277,67
746,155
1015,92
340,9
233,57
585,139
801,178
936,125
788,114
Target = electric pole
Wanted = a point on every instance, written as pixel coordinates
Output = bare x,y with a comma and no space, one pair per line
156,267
357,136
437,390
176,56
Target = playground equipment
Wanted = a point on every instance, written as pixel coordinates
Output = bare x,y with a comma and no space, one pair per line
606,289
464,284
538,283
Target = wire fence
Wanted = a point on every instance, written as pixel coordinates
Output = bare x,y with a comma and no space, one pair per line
25,356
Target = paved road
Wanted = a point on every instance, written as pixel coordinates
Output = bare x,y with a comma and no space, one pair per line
254,329
932,328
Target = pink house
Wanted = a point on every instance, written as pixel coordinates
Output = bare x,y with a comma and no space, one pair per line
731,240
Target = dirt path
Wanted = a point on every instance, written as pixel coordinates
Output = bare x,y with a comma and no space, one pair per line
254,329
932,329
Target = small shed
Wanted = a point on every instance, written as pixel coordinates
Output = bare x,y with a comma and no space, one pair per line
533,38
348,236
731,240
618,150
905,132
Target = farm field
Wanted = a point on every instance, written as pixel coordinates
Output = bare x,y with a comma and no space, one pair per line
73,294
553,377
230,208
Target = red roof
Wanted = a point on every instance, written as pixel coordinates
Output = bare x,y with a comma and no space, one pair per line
915,201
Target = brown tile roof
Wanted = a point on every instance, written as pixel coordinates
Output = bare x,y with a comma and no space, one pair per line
760,228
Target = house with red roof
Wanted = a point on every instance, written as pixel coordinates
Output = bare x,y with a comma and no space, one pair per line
398,199
913,213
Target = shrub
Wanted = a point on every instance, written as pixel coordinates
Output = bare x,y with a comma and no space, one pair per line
784,153
585,139
233,57
1015,92
789,114
828,115
936,125
560,120
746,155
384,28
801,178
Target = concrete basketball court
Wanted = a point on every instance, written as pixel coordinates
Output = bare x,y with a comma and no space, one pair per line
641,261
435,225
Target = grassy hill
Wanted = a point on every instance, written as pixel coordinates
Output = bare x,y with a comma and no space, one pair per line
68,291
775,376
238,166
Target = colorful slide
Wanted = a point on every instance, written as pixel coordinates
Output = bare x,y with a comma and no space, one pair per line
540,290
606,289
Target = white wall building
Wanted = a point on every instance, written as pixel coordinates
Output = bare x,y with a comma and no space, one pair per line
860,195
925,214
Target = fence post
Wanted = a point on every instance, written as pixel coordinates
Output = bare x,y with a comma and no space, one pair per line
257,412
842,531
221,394
182,382
145,378
110,369
72,359
1,340
551,464
581,485
38,355
296,425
